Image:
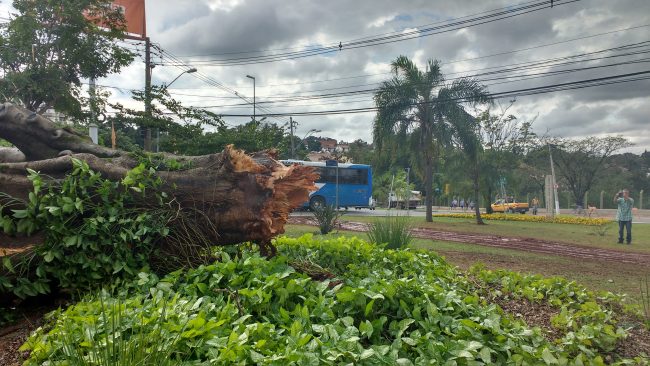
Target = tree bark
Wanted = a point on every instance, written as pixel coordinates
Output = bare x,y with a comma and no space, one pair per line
245,197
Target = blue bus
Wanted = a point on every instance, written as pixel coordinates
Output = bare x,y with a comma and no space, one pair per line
354,188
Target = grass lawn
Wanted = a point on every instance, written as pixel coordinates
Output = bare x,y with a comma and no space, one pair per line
568,233
594,274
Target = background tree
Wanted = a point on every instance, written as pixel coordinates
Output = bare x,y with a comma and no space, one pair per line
251,136
178,125
469,140
360,152
505,140
423,103
48,47
580,162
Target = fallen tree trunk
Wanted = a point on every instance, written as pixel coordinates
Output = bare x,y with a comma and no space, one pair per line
244,197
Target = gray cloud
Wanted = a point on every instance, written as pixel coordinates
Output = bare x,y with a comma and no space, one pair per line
202,27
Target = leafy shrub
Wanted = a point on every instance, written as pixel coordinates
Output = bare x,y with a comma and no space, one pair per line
327,217
394,307
96,230
393,231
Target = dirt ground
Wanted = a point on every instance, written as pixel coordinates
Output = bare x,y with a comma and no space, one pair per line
14,335
516,243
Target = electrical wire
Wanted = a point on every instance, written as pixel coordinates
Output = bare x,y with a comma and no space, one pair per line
517,67
459,60
509,12
581,84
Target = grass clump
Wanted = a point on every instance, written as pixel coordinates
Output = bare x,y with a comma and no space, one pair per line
114,330
393,231
327,217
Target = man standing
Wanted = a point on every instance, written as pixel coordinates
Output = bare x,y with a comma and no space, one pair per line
624,214
535,204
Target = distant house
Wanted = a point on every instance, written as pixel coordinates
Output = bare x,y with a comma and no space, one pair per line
319,156
55,116
343,147
328,144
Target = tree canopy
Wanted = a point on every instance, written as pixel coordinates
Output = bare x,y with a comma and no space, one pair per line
423,107
48,47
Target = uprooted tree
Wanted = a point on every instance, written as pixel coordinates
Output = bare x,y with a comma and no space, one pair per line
247,197
223,198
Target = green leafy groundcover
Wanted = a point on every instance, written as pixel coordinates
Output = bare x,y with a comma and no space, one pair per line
393,308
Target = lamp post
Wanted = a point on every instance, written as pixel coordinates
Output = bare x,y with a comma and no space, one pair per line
302,141
252,77
188,71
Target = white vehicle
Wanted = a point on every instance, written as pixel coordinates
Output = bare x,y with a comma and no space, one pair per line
398,202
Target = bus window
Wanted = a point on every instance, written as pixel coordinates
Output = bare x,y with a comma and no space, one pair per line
327,175
353,176
346,175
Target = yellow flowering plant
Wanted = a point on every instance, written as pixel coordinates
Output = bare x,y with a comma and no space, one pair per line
561,219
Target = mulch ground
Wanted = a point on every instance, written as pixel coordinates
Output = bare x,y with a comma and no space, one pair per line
533,314
637,342
14,335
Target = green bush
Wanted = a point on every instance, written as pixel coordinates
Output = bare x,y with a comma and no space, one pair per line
327,217
96,230
392,308
393,231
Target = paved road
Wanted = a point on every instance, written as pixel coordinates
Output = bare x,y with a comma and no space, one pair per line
640,216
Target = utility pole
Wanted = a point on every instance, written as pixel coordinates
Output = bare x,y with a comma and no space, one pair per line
557,201
408,191
293,147
92,126
254,113
147,92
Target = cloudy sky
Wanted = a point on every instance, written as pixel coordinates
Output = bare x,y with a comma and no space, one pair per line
203,33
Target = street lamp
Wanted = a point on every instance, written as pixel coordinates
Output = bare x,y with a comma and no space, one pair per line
302,141
188,71
309,133
252,77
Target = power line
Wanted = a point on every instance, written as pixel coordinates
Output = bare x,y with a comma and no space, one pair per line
459,60
524,66
614,79
356,39
519,79
493,75
403,36
209,80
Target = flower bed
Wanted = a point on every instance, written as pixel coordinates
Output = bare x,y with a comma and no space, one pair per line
562,219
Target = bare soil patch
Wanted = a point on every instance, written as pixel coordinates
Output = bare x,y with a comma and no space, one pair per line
533,314
14,335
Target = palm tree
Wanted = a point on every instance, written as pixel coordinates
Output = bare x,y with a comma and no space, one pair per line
424,104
